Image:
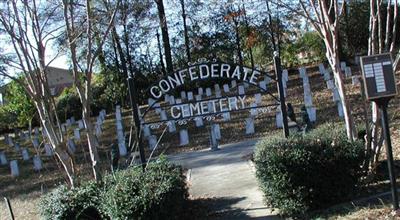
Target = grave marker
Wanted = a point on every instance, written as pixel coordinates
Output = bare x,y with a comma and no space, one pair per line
25,154
48,150
37,163
77,134
250,126
3,158
183,137
14,168
71,146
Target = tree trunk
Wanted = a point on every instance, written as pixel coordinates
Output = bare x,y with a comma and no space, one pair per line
185,30
165,35
160,54
91,140
238,47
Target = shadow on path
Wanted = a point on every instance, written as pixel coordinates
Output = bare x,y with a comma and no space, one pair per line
219,208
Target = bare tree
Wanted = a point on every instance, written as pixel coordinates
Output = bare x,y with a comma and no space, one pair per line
29,27
379,43
324,16
80,23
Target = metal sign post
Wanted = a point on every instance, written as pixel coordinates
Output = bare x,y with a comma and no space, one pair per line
135,113
380,87
278,72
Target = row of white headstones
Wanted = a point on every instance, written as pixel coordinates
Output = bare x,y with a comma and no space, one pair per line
48,150
215,129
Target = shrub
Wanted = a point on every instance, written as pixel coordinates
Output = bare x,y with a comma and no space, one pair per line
69,104
305,173
64,203
159,193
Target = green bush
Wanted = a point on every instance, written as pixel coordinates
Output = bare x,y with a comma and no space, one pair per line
159,193
64,203
69,104
310,172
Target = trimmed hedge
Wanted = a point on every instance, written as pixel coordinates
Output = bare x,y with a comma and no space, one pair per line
309,172
159,193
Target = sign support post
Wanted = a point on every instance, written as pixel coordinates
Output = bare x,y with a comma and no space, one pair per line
380,87
389,154
278,72
135,114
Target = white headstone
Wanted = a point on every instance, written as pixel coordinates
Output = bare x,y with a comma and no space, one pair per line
267,79
120,136
330,84
208,91
122,148
63,127
347,72
118,116
217,91
321,68
200,91
303,73
340,109
25,154
343,66
253,111
257,98
14,168
183,137
190,96
217,131
37,163
80,124
198,97
355,81
199,121
171,126
73,120
250,126
10,141
98,130
35,142
171,100
233,84
77,134
226,116
285,75
163,115
3,158
327,75
17,146
48,150
146,131
308,101
279,118
241,90
68,123
119,125
263,85
312,113
226,87
152,141
183,95
37,131
336,96
71,146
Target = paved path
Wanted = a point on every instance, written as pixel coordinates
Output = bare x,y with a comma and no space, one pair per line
229,177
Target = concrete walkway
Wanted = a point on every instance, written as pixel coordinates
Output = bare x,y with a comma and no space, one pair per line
227,176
